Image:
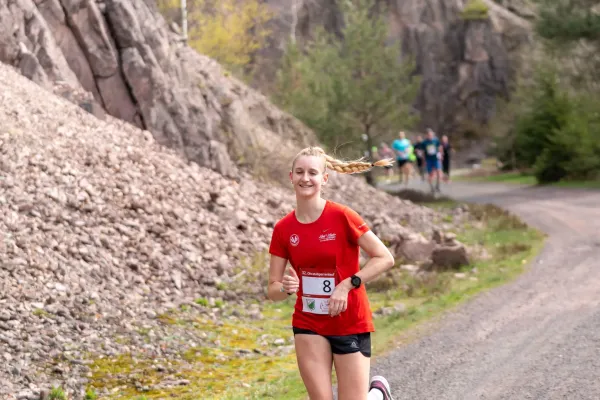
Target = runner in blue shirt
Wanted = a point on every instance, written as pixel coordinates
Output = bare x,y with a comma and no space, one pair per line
433,153
402,147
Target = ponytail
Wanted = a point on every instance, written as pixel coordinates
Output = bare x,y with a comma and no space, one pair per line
343,167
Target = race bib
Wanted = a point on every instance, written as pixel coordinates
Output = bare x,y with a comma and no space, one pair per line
431,149
315,305
317,287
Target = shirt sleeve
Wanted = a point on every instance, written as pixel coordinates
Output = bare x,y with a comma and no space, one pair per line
277,246
356,225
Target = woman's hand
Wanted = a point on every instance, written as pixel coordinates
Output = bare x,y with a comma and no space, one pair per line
291,283
338,302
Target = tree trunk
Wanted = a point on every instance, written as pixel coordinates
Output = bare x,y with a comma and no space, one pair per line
294,21
184,26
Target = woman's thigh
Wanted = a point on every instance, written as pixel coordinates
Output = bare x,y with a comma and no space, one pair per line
314,356
352,371
352,363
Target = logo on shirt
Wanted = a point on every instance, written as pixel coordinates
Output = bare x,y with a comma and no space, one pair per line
326,237
294,240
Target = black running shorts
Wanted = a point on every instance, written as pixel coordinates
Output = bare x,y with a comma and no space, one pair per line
344,344
401,163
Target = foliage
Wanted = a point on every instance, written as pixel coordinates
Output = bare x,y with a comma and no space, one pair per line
90,394
230,31
474,10
571,29
574,147
57,393
569,20
346,88
556,133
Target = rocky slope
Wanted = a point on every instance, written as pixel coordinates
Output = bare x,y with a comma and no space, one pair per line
464,64
135,69
104,229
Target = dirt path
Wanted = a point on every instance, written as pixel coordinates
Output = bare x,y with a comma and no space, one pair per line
536,338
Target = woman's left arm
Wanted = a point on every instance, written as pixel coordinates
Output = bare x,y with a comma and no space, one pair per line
380,261
380,258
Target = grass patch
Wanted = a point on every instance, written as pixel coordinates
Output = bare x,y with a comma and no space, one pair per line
526,179
578,184
57,393
508,177
241,360
510,244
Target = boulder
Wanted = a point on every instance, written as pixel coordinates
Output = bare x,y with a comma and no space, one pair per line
449,256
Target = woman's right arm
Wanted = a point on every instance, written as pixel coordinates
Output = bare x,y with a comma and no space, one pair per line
276,271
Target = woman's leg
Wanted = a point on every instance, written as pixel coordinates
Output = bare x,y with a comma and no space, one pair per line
352,371
314,356
351,356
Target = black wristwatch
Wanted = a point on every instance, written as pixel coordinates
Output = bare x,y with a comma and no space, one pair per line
355,281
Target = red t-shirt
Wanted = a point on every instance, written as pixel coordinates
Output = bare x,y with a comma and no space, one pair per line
324,253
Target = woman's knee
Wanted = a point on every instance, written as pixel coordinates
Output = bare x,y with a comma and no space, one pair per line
352,372
315,360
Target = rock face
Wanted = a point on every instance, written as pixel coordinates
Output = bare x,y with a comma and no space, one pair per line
464,64
122,53
104,229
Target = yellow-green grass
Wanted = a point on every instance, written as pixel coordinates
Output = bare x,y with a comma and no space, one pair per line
217,371
508,177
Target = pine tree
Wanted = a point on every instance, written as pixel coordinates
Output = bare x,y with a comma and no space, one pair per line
572,32
350,90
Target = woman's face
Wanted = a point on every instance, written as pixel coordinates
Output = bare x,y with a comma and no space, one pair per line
308,176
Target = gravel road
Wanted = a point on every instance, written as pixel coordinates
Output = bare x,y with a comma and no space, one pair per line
536,338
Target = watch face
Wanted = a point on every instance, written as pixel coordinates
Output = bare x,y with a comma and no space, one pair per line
355,281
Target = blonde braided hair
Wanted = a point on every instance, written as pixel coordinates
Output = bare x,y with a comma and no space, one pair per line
343,167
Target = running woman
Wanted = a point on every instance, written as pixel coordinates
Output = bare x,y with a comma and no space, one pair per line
447,147
386,152
420,153
402,148
332,320
433,154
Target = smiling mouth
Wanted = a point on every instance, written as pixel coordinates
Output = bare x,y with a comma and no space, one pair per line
305,186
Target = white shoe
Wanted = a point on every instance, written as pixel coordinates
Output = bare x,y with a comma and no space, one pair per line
380,383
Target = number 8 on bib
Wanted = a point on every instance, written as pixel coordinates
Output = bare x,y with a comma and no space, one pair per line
317,287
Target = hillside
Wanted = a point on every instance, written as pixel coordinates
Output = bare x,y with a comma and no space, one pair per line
105,229
132,67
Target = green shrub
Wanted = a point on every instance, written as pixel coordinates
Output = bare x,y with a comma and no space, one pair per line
202,301
57,394
90,394
557,134
474,10
573,149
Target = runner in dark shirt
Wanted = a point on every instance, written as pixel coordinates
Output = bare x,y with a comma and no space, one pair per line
447,150
419,152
